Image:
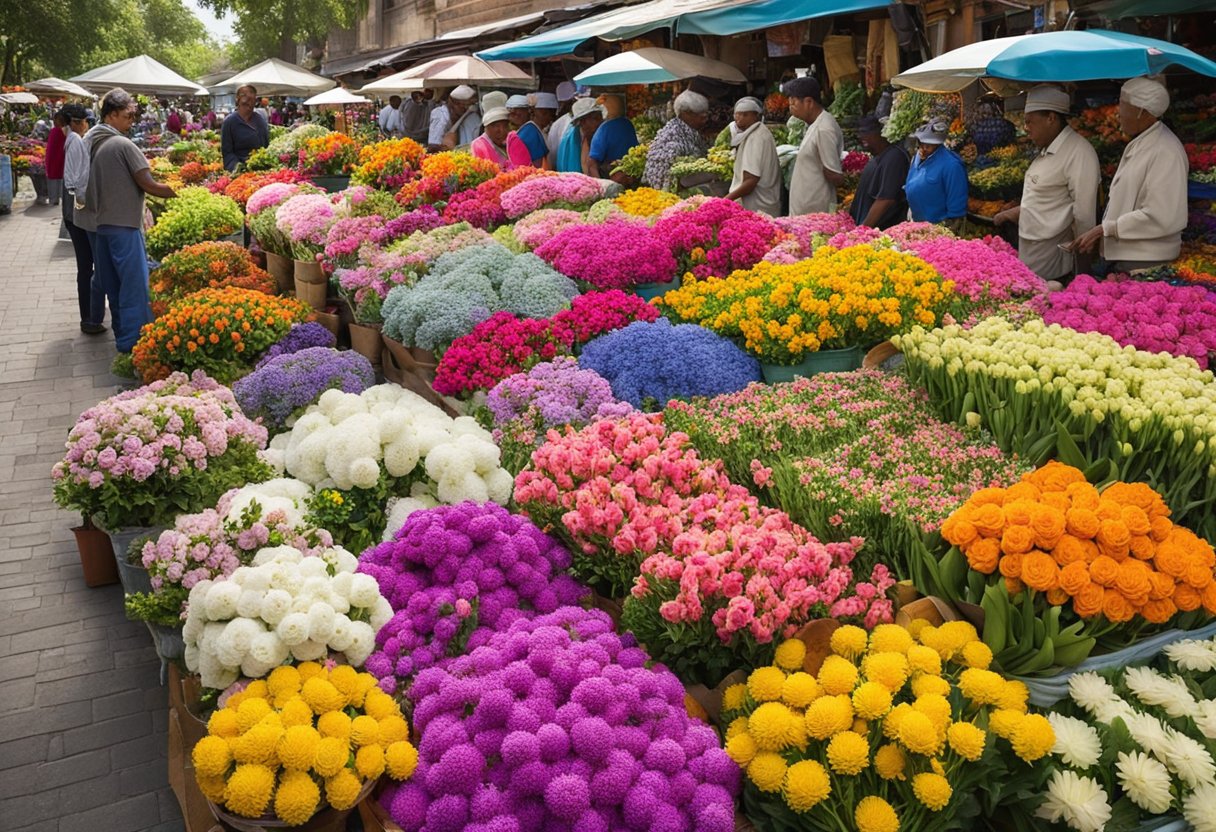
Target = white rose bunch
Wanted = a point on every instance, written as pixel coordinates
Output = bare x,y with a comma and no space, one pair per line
284,607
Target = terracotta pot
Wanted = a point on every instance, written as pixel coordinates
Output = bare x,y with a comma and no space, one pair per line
96,555
366,341
283,271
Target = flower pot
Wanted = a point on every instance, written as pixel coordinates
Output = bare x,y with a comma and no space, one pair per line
96,555
283,271
823,361
168,640
330,321
311,284
134,576
878,357
650,291
331,184
365,340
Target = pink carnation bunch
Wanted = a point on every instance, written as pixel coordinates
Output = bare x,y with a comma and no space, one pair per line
978,272
802,233
304,220
594,313
616,255
268,196
563,190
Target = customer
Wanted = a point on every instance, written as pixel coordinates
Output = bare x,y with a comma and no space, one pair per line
113,214
389,119
518,111
585,118
557,131
613,139
499,143
1060,191
679,137
416,115
455,123
54,157
1147,211
173,124
937,180
534,133
244,131
89,294
879,201
757,181
817,168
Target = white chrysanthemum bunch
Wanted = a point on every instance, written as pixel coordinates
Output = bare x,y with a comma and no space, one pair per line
1191,654
284,498
347,441
284,608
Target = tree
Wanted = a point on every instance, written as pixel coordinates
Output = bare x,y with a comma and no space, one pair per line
272,28
50,35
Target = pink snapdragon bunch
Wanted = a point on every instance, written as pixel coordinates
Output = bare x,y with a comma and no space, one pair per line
978,271
563,190
618,254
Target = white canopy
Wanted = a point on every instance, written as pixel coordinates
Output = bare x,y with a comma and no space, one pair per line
18,98
277,77
337,96
452,71
652,65
58,86
140,74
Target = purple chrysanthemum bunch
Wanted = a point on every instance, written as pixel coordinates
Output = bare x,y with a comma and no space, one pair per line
557,723
289,383
455,575
299,337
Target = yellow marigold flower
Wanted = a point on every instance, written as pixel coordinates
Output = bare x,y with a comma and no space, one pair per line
741,748
295,712
364,731
806,784
258,744
223,723
393,729
211,756
800,690
873,814
297,798
837,675
932,790
871,700
298,747
1033,738
250,712
848,753
765,684
983,687
400,759
890,638
283,679
332,754
369,761
936,707
791,653
849,641
212,787
249,789
767,771
924,659
917,626
889,762
966,740
925,684
918,733
936,766
771,726
322,696
892,721
377,704
888,669
1004,722
345,678
829,715
257,690
1013,696
737,726
334,724
308,670
977,654
734,697
958,634
342,790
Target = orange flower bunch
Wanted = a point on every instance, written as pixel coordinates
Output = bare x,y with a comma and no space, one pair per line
444,174
389,164
211,265
220,331
1113,552
333,154
193,173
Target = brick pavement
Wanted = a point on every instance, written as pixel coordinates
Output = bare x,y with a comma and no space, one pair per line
82,715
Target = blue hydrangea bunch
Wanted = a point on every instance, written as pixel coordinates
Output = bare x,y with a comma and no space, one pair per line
286,384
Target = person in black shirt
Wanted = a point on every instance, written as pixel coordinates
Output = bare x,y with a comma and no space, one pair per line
244,131
879,201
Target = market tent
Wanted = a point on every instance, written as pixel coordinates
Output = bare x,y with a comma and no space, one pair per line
652,65
140,74
337,96
277,77
1119,9
450,72
750,17
57,86
18,98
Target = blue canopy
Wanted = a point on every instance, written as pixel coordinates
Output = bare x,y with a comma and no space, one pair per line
748,17
1092,54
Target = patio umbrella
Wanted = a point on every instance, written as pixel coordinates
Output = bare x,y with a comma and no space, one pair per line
652,65
276,77
58,85
18,98
1091,55
337,96
140,74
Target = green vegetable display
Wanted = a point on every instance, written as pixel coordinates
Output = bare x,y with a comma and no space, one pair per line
907,113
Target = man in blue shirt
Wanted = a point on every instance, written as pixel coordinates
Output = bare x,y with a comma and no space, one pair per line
585,119
612,140
534,133
937,179
244,131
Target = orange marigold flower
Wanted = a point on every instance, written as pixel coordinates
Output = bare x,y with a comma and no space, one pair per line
1187,598
1024,490
1014,585
1088,602
986,496
1057,597
1209,598
1081,522
1017,512
1116,608
1158,611
1114,539
1039,571
1017,540
1074,577
1069,550
1104,571
1011,566
1082,495
1136,520
989,520
982,555
957,529
1142,547
1133,580
1048,526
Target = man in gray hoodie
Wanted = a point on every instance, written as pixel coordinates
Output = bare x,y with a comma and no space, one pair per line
113,216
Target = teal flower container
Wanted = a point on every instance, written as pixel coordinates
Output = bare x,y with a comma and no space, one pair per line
650,291
823,361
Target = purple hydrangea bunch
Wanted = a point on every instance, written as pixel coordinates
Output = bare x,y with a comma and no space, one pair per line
557,724
299,337
552,394
288,383
455,575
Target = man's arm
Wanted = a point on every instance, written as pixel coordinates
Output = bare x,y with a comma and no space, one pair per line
877,210
143,178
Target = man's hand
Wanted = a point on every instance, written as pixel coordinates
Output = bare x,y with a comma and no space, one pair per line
1088,241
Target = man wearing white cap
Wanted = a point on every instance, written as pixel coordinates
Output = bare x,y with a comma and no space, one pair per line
455,123
1146,212
757,181
518,110
1060,192
534,133
585,118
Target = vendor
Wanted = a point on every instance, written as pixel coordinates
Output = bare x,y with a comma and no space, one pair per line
499,143
1060,192
585,119
879,201
679,137
817,168
535,132
937,180
614,138
1146,212
757,181
455,123
244,131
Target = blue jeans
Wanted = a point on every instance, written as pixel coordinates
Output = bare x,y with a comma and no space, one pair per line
121,271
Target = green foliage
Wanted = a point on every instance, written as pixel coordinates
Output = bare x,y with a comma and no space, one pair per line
163,608
272,28
196,215
355,517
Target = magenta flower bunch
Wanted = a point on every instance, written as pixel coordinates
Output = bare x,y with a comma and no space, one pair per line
618,254
558,723
454,576
144,456
539,227
979,272
1150,316
422,218
366,285
565,190
804,232
717,237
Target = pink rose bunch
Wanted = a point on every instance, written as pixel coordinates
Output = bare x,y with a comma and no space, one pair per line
616,255
1151,316
978,272
717,237
563,190
540,227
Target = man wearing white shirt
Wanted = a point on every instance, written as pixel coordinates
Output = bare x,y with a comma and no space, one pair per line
817,169
456,122
390,118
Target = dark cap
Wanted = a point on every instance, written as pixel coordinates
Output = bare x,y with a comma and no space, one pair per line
805,87
868,124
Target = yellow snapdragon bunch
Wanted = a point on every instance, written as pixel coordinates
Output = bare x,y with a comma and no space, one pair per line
303,738
895,729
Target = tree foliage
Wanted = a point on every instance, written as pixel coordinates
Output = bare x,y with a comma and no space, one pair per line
272,28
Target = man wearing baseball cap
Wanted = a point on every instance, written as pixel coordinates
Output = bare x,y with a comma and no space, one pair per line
1060,192
937,179
534,133
456,122
817,169
879,201
585,118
